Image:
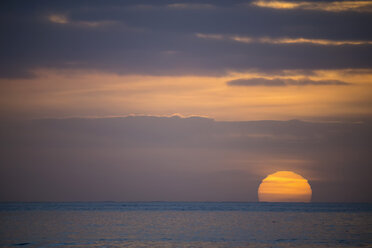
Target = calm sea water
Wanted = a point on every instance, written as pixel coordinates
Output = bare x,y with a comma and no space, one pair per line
185,224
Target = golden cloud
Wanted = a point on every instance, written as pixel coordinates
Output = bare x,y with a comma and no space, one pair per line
283,40
335,6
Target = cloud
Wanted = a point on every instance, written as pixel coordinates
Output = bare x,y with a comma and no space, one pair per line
131,37
158,158
63,19
191,6
332,6
211,36
284,41
256,82
282,82
323,42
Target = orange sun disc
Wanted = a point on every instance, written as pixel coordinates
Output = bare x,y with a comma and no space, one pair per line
284,186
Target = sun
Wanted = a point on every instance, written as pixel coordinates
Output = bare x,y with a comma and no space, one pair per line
284,186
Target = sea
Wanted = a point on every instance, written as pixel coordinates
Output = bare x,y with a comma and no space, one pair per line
185,224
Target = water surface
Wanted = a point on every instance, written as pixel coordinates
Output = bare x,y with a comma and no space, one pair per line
185,224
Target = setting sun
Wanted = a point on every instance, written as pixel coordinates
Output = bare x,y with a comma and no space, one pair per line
284,186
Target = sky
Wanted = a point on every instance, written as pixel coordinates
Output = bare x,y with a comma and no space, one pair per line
194,100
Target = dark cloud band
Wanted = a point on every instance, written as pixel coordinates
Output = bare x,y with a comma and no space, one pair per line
136,37
282,82
152,156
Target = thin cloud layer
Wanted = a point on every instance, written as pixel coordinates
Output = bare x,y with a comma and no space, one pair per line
332,6
282,82
192,6
284,41
63,19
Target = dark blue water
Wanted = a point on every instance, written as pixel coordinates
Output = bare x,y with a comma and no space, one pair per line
185,224
187,206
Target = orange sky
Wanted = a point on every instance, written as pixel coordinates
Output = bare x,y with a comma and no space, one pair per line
85,93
